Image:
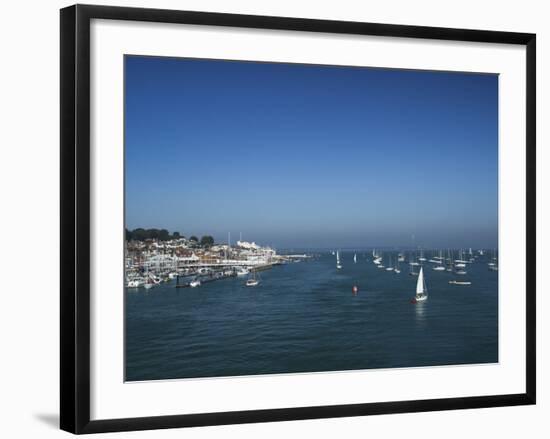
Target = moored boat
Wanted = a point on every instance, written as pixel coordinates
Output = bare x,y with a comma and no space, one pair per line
241,271
252,281
338,265
390,266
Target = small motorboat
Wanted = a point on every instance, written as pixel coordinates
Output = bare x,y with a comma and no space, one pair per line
458,282
252,281
242,271
134,283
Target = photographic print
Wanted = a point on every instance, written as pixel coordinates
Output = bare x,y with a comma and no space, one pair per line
295,218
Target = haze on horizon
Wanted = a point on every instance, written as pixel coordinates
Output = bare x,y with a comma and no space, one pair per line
303,156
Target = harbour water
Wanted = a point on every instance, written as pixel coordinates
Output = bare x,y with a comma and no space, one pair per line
303,317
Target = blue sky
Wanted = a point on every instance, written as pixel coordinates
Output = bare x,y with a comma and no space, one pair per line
311,156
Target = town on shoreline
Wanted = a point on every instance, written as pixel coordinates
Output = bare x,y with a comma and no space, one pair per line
154,256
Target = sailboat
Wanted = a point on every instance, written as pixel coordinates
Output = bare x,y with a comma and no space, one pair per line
450,265
390,267
422,258
412,264
493,265
460,262
355,258
338,265
397,269
439,266
252,281
421,290
148,280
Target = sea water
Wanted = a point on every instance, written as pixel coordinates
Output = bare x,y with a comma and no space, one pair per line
304,317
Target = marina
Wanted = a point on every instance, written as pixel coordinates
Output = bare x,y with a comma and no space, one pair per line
151,262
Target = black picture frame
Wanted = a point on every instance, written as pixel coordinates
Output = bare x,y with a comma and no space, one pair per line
75,217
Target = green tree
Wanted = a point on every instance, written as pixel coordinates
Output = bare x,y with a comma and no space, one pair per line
163,235
194,238
207,241
139,234
152,233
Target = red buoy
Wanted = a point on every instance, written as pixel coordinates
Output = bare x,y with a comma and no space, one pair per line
354,290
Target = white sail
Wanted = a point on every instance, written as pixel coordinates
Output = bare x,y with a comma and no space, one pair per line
420,283
337,257
355,258
421,292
